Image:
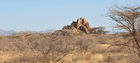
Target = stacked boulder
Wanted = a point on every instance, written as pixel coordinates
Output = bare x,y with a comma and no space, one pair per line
80,25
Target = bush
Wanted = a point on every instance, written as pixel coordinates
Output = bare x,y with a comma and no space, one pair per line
98,30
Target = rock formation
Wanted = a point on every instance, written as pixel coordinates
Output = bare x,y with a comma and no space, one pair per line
80,25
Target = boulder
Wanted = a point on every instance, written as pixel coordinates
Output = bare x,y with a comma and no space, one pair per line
81,24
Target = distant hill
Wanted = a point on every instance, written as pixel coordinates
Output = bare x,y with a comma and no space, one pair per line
6,33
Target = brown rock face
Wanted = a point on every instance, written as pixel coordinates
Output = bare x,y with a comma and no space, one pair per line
81,25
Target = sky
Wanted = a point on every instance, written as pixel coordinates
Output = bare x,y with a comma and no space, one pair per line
38,15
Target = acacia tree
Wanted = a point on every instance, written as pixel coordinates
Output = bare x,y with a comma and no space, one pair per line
128,18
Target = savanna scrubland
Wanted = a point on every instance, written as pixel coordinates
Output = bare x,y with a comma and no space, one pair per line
66,47
77,43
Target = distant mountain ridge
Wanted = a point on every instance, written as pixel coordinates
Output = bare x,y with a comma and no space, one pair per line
6,33
45,31
11,32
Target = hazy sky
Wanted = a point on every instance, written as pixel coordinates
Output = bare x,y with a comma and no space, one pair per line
36,15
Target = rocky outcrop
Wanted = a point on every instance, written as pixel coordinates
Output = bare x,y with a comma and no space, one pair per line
80,25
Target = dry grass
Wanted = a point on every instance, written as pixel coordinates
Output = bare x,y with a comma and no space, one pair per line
66,47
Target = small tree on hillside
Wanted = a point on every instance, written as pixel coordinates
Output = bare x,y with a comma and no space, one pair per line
128,18
98,30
